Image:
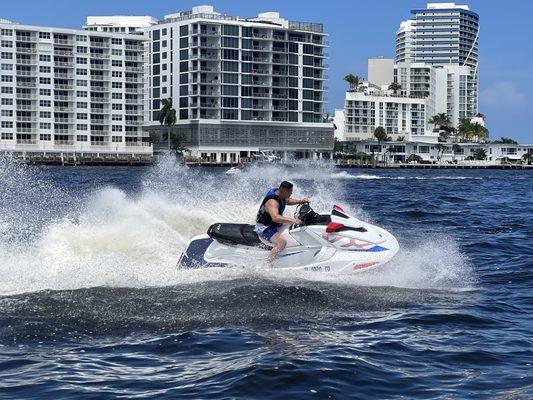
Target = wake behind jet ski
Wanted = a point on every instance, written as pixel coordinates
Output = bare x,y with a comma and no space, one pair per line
334,242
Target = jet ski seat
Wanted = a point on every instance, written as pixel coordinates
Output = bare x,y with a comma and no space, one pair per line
233,234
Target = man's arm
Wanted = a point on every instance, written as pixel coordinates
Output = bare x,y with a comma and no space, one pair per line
272,207
293,202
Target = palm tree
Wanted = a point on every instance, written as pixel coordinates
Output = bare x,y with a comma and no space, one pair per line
480,154
464,129
527,157
391,150
167,116
479,131
456,149
354,81
440,150
441,120
395,86
380,134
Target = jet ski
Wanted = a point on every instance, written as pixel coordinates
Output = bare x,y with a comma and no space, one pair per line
334,242
234,170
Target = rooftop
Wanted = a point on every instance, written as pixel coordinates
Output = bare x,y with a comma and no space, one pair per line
267,18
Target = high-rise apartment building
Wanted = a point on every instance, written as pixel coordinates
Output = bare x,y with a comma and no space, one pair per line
240,85
71,90
444,35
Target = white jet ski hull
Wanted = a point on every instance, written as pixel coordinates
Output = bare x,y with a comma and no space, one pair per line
335,247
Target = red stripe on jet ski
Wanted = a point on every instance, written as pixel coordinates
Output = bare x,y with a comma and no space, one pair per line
364,265
338,208
333,226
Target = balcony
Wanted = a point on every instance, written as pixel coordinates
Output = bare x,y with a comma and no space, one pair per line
100,56
26,61
64,64
26,119
134,69
20,38
27,84
31,96
209,33
25,73
65,53
134,47
26,50
26,130
26,107
63,98
101,45
63,41
63,109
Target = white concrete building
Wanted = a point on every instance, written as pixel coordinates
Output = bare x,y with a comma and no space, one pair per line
445,35
65,90
400,116
496,153
339,120
448,89
240,85
119,24
381,72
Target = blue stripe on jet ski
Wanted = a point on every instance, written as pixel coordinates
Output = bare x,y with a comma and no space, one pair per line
291,254
372,249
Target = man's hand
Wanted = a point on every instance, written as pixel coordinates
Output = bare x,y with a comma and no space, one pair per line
304,200
296,221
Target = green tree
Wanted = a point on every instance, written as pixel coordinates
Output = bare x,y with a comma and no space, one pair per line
528,157
505,140
391,150
167,116
480,154
414,158
440,150
353,81
401,139
456,149
337,146
380,134
440,121
395,86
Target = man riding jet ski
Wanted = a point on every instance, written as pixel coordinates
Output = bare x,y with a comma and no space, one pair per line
334,242
270,217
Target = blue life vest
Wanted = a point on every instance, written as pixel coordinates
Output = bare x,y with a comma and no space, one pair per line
263,217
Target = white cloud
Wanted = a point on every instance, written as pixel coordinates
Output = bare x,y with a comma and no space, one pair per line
503,95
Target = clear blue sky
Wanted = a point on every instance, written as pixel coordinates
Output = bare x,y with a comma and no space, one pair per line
358,29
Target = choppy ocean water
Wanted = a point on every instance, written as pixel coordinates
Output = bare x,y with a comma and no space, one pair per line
91,305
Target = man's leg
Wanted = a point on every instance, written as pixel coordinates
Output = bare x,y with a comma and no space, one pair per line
279,245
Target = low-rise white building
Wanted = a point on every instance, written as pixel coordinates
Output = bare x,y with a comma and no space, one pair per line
496,153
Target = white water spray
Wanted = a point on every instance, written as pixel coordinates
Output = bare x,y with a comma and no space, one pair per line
110,238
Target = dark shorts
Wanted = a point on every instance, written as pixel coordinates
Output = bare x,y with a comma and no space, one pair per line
269,232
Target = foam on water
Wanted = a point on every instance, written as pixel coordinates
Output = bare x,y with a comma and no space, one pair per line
58,240
347,175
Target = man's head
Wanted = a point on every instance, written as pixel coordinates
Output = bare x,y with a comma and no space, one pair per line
285,190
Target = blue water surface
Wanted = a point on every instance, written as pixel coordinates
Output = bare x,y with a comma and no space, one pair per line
450,318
